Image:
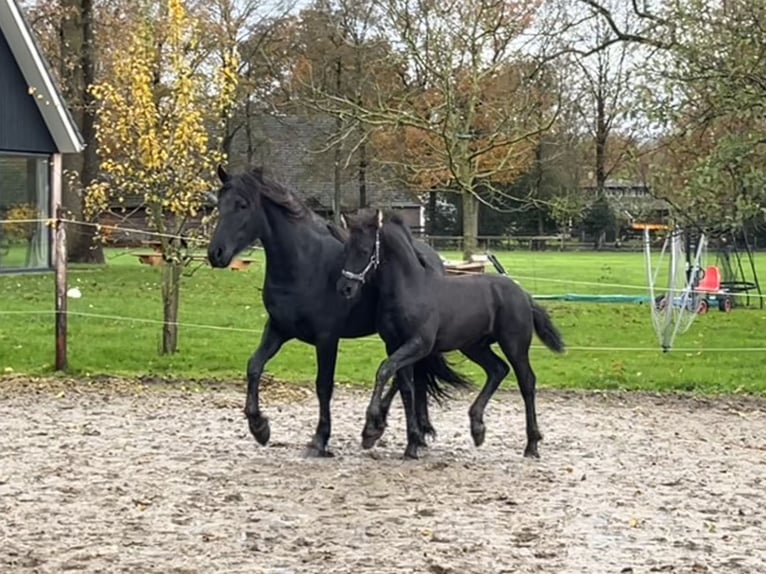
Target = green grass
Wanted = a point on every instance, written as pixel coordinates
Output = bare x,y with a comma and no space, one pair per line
124,291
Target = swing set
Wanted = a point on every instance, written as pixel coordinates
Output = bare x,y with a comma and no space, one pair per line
684,287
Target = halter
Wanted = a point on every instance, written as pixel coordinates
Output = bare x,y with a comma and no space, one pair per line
372,264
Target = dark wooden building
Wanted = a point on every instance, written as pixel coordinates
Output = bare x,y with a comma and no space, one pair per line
296,150
35,130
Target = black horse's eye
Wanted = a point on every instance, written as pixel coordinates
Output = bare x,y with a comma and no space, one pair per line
240,205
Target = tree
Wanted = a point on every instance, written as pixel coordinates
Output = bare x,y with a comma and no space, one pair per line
155,109
464,116
338,52
703,93
601,91
68,30
710,110
245,30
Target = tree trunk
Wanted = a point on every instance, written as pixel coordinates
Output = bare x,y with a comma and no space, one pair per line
470,225
602,134
171,295
338,190
248,124
431,219
78,60
363,176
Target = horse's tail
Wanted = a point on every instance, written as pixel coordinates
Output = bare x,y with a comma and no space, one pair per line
439,376
545,328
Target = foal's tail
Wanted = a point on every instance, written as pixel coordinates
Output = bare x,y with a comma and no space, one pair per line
545,328
438,376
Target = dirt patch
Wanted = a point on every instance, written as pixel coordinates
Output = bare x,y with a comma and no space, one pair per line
157,479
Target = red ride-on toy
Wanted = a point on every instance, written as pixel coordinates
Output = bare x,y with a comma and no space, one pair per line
708,292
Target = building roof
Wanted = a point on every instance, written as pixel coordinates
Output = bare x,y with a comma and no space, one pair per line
40,82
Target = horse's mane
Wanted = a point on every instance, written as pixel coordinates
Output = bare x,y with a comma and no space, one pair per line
255,179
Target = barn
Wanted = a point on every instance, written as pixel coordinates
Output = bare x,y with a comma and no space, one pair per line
36,128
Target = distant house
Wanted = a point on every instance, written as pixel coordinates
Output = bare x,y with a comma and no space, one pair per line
294,150
632,197
35,129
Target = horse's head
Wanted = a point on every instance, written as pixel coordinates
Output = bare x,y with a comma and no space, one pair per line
240,219
361,253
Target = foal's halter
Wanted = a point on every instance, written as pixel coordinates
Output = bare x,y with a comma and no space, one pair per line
372,264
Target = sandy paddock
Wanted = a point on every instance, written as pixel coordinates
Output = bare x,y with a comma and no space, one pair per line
155,478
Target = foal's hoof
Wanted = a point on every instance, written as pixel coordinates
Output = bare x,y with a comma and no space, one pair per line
427,431
313,451
373,430
369,440
411,452
371,435
478,431
260,429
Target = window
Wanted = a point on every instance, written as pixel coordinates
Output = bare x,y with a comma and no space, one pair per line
24,205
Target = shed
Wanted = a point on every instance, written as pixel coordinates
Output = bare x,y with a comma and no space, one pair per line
36,128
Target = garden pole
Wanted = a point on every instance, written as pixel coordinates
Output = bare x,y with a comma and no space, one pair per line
59,245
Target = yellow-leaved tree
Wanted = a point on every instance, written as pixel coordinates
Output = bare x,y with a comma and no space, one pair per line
158,127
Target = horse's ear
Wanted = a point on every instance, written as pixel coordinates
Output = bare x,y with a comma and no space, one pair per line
380,219
211,199
337,232
343,222
222,175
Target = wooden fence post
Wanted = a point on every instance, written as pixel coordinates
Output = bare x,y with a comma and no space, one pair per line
60,256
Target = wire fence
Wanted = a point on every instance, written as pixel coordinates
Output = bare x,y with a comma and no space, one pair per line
368,339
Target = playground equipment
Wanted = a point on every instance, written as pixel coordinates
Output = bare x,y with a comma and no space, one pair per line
734,278
690,288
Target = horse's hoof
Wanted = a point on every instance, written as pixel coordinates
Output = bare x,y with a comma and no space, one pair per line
531,452
312,451
260,429
478,432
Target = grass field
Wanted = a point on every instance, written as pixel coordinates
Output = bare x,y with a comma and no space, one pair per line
111,329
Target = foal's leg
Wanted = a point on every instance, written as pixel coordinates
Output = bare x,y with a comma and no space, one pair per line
421,404
517,352
418,379
496,370
409,400
271,342
327,353
421,410
404,356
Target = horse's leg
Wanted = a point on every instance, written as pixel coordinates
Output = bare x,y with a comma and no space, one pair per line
496,370
408,354
327,353
517,351
271,342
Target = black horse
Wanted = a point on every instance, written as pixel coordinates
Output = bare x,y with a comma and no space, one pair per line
421,312
304,257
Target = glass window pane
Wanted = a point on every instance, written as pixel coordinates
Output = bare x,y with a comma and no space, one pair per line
24,209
